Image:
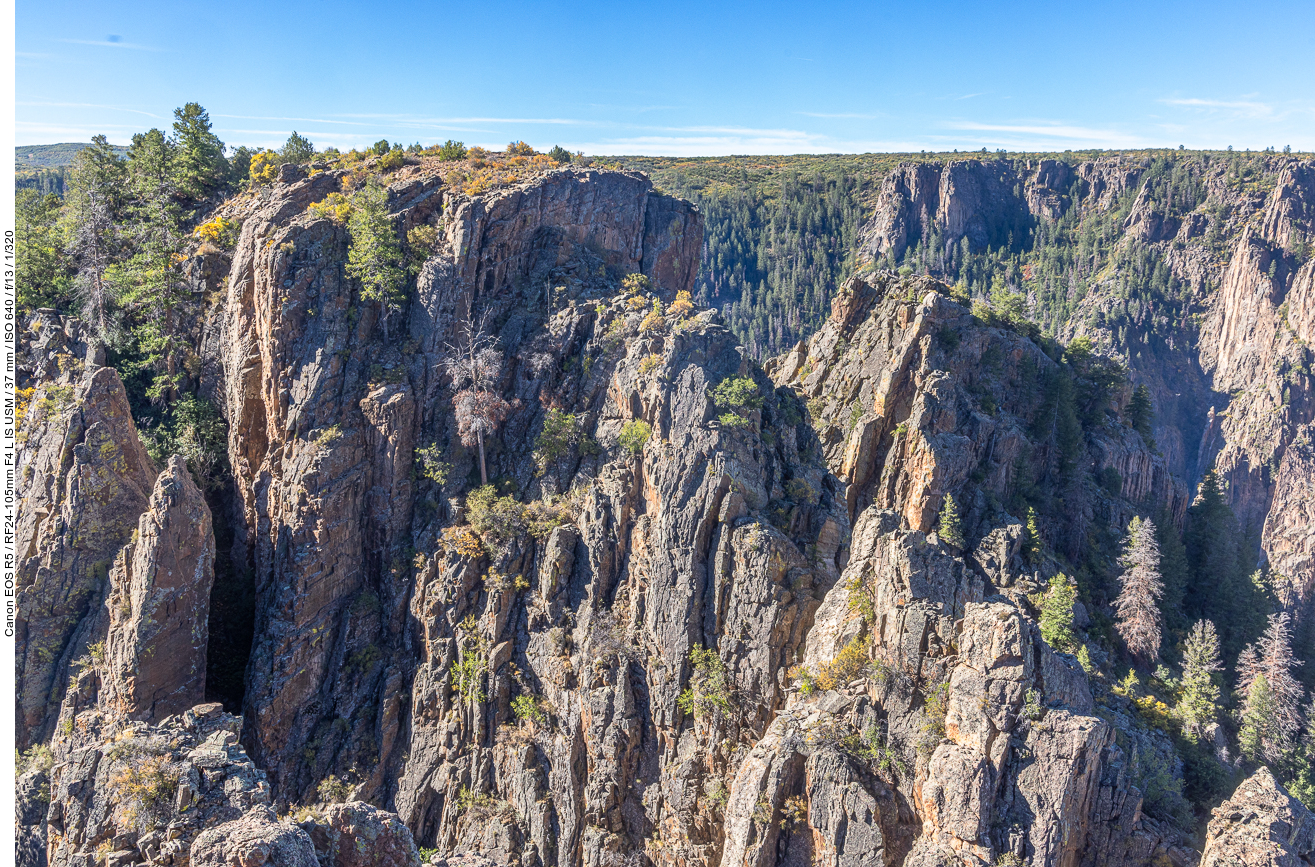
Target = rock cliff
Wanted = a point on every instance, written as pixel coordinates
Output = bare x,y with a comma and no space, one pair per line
703,612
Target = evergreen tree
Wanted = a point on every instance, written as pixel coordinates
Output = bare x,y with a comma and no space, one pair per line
375,255
148,285
1173,572
1259,738
1140,413
199,166
949,530
94,203
297,150
1057,613
1199,705
41,268
1270,660
1032,541
1219,587
1137,606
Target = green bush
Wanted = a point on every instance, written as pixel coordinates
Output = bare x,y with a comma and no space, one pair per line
558,438
497,519
738,395
709,688
559,154
634,434
527,709
1057,613
452,150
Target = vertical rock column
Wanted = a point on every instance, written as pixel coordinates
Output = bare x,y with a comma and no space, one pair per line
159,603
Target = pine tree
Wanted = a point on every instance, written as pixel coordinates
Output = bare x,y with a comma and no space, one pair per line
1199,704
149,284
1271,660
1173,572
949,529
297,150
1259,737
374,256
1140,413
1057,613
93,205
1032,540
199,166
1138,604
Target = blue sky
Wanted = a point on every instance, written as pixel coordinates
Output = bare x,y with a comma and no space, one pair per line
676,78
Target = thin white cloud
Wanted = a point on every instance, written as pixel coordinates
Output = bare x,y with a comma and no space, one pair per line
971,95
1049,134
842,115
88,105
410,119
106,43
1247,107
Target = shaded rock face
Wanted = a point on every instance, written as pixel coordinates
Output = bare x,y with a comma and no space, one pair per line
84,480
159,601
1260,825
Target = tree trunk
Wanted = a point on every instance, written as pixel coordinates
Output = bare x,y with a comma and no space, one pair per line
483,471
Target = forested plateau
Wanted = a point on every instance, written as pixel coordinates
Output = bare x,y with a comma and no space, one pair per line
432,504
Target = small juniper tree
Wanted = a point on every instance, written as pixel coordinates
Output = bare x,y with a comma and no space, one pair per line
949,529
1199,704
1138,607
1260,739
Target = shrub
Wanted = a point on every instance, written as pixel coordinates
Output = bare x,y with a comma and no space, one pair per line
422,238
145,786
561,432
739,395
542,517
520,149
431,467
333,790
527,709
559,154
654,321
634,435
933,725
468,672
220,232
264,168
709,688
464,542
649,364
497,519
392,160
380,147
452,150
634,284
683,305
1032,705
35,758
800,491
849,665
334,207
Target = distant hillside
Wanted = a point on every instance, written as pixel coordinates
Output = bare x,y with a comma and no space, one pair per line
51,155
45,167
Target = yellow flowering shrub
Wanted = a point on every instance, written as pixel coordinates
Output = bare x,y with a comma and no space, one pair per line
654,321
264,167
334,206
220,232
683,305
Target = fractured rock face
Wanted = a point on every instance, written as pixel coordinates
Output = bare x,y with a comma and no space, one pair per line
148,791
255,839
1260,826
85,479
159,602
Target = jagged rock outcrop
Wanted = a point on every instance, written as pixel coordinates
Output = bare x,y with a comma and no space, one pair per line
84,480
913,400
256,839
138,792
159,601
357,834
1260,826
